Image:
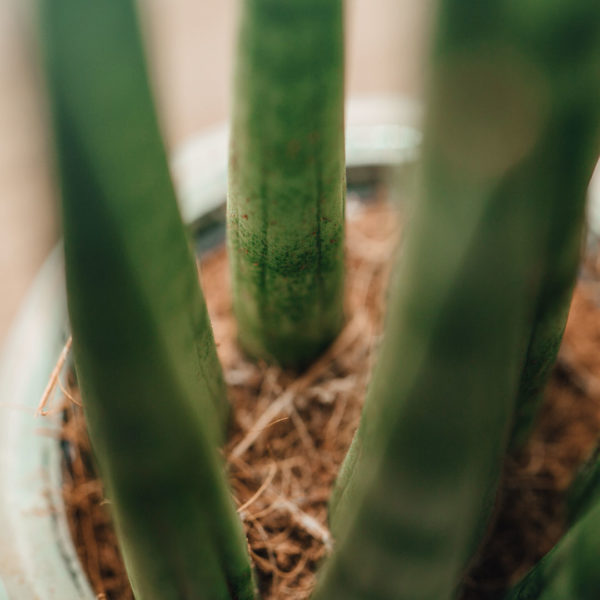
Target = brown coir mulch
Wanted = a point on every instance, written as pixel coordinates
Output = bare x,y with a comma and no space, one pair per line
289,436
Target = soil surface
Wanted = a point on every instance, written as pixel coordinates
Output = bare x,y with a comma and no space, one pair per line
289,435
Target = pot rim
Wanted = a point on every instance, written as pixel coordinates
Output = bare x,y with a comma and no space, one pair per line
37,556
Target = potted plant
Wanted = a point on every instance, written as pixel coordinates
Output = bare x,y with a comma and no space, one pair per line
475,318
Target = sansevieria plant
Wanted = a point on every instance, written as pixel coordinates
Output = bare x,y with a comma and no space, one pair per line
475,316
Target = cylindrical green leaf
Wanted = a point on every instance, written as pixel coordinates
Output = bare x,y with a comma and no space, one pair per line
145,357
510,141
287,179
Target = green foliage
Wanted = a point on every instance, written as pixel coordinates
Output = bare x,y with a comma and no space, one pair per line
482,293
287,180
146,361
477,309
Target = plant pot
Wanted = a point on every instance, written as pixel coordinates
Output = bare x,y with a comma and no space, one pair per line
37,557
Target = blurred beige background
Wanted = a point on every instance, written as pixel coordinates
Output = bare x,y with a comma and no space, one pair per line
191,49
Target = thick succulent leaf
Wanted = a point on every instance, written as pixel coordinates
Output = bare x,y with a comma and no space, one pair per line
287,179
510,142
145,357
564,43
